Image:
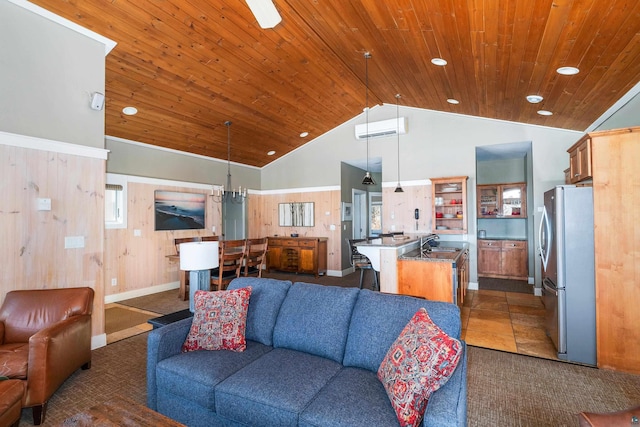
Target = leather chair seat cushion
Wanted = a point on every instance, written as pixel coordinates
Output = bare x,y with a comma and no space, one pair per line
628,417
11,392
14,360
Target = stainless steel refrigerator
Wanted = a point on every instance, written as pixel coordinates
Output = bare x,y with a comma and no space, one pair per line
567,249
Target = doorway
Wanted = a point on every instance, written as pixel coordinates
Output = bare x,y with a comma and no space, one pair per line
360,227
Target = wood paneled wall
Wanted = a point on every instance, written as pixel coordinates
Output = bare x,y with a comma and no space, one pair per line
263,219
139,262
33,242
398,209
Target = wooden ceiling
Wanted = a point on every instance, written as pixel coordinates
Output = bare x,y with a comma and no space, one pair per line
190,65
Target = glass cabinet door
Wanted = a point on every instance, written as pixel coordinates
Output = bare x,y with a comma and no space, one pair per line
488,201
512,201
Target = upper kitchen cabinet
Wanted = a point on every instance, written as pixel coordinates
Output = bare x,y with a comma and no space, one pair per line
450,205
580,160
502,200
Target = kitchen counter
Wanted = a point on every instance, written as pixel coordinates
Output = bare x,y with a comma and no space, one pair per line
519,239
437,273
444,252
384,253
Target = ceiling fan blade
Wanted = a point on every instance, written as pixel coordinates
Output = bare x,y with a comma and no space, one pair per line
265,12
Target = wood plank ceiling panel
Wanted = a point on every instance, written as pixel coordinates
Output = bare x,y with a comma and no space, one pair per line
189,65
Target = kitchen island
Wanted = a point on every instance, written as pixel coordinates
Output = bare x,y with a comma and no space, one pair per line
437,273
384,253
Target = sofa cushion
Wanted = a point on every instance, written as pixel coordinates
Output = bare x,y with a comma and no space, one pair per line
353,398
379,318
274,389
14,360
219,321
264,305
419,362
194,375
315,319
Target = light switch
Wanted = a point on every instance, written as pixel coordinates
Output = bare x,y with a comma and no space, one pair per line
44,204
137,232
332,227
73,242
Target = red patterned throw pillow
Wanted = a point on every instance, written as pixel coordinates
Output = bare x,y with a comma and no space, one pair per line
419,362
219,320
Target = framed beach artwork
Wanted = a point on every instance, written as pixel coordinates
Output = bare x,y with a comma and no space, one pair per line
179,211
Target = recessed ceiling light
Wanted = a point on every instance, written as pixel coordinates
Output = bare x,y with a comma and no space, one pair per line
545,113
271,153
439,61
130,111
304,134
534,99
568,71
453,101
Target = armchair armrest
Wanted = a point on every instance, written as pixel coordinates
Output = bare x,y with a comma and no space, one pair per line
163,343
1,332
55,353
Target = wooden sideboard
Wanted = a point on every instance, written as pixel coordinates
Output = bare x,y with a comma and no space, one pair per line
298,254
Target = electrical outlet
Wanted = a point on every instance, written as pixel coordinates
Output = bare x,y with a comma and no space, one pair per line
137,232
73,242
114,282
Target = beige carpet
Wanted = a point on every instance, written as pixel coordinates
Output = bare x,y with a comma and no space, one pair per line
504,389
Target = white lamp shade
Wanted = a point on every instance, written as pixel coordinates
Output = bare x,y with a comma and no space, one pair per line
196,256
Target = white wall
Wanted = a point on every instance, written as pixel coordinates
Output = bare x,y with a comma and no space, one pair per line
47,76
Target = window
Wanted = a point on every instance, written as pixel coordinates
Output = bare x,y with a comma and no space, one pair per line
115,202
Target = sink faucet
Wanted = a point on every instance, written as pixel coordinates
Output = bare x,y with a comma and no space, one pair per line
424,240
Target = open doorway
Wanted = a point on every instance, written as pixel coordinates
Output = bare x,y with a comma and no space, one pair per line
359,228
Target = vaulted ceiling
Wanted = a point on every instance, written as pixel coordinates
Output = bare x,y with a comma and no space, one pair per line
190,65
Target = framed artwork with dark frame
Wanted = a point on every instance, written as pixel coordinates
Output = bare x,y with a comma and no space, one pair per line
347,213
179,211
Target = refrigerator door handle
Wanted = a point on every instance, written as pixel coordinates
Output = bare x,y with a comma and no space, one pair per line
544,238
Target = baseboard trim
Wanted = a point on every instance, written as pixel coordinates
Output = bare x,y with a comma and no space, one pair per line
141,292
98,341
473,286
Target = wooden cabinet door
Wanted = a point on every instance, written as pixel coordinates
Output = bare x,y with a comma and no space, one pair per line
289,259
580,160
489,259
514,259
307,260
488,200
274,253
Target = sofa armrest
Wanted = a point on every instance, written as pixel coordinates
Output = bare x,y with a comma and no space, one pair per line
163,343
448,405
1,332
55,353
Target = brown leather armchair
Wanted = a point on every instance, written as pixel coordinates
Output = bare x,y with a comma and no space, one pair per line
45,336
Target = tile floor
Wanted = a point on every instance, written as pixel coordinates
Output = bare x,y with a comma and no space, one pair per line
507,321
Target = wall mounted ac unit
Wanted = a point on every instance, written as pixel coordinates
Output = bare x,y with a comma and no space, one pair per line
382,128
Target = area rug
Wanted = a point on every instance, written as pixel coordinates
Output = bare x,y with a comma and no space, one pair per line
162,302
504,285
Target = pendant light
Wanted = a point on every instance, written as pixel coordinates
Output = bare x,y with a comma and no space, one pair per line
398,188
230,194
367,180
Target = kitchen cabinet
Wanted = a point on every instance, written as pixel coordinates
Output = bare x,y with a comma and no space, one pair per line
580,160
298,254
505,259
502,200
615,156
435,280
449,196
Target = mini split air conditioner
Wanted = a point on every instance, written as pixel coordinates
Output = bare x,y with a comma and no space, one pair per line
382,128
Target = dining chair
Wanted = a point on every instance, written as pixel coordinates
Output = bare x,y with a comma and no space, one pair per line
210,238
255,257
231,259
361,262
184,279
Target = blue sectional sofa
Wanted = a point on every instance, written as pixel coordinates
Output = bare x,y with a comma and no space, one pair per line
311,360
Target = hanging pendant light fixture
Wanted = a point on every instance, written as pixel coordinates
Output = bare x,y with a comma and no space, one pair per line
367,180
399,187
230,194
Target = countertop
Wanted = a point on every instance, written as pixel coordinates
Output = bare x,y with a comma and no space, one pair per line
451,252
520,239
390,242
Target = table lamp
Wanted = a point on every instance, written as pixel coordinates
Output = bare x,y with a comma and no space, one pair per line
198,258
